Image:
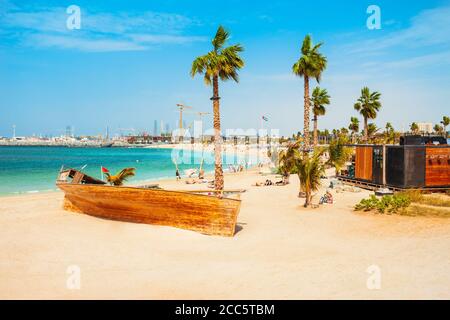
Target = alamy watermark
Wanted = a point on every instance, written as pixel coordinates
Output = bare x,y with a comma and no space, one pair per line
373,22
239,146
73,281
374,280
73,21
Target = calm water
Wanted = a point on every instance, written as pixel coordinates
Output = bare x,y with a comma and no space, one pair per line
34,169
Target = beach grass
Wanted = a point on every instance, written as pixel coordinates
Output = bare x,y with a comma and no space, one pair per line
408,203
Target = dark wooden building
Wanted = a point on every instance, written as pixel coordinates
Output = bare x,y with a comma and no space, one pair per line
406,166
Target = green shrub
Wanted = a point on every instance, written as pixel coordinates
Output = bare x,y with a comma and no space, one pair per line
367,204
390,204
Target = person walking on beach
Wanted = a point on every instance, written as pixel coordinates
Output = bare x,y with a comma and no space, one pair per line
177,174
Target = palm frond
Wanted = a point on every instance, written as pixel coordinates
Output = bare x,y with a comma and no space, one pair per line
119,178
223,63
220,38
319,99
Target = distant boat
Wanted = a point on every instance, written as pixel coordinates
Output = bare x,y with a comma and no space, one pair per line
106,144
190,210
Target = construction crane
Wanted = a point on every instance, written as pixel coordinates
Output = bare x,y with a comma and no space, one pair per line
181,108
201,114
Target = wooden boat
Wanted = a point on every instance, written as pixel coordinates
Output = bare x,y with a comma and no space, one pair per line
190,210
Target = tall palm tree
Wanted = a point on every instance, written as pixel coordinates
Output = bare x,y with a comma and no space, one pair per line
354,127
368,104
414,127
445,122
220,63
311,64
319,99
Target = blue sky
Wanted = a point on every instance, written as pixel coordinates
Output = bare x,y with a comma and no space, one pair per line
129,63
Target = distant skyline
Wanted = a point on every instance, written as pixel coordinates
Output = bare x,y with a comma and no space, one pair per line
129,63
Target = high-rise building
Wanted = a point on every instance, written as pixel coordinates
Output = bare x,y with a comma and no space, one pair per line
155,128
425,127
167,128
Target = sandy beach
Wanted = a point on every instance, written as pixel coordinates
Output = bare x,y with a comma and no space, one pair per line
281,251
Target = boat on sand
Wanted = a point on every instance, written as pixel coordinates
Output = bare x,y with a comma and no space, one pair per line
192,210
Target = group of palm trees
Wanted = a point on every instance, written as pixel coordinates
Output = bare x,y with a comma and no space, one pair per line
223,63
438,129
312,64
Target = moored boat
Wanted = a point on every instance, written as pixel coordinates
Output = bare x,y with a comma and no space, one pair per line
203,213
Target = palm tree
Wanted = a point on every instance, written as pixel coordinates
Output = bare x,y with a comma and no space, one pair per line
438,129
286,160
389,133
389,127
445,122
311,64
368,105
326,133
414,127
371,130
121,177
338,153
319,99
309,171
220,63
354,127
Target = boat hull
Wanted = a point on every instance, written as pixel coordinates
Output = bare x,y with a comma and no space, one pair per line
205,214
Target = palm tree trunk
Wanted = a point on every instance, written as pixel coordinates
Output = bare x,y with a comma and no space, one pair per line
366,130
316,139
218,171
306,118
308,199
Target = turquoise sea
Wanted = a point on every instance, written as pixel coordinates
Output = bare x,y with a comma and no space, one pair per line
34,169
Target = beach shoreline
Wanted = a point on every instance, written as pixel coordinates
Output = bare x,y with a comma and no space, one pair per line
280,251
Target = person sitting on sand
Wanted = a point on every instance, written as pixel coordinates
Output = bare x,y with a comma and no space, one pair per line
326,198
263,184
194,181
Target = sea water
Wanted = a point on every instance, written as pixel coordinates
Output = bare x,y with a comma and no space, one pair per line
30,169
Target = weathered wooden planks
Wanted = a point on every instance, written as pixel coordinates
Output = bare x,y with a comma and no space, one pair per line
437,167
364,163
205,214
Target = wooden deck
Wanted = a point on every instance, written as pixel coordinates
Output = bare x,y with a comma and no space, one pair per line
373,186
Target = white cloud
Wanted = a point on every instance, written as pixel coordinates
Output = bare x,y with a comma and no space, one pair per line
46,27
82,44
175,39
429,28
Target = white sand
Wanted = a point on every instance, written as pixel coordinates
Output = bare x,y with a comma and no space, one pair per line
283,251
